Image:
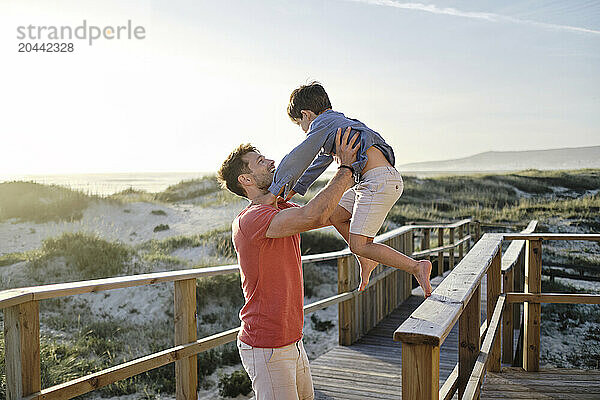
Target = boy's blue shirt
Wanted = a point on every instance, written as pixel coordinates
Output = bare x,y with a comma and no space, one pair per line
296,171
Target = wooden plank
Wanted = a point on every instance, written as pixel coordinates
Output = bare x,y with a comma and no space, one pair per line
508,327
186,370
460,246
494,284
484,357
440,258
426,240
469,340
553,236
420,371
449,387
515,249
434,250
22,349
532,311
428,323
563,298
451,250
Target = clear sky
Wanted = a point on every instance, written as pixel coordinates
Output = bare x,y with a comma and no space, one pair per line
438,79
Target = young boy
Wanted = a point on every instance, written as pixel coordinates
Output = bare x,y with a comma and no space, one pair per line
363,208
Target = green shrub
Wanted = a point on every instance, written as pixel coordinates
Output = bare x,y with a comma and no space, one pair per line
235,384
91,256
315,242
189,189
29,201
158,212
13,258
161,227
220,288
320,325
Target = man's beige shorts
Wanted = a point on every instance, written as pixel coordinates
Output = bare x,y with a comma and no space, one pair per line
280,373
371,199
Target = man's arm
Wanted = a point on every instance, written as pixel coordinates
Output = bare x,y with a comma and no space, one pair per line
295,163
316,212
315,170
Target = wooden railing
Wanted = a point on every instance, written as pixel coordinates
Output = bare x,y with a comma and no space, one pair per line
457,298
358,312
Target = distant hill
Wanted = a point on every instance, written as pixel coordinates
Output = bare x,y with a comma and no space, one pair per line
567,158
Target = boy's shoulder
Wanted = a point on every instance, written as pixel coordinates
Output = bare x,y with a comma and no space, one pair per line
331,120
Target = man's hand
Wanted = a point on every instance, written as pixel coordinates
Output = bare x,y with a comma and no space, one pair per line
345,151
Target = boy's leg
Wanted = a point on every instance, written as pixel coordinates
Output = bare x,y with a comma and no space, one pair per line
340,219
375,196
364,246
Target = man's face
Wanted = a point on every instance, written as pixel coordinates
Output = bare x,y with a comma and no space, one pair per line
262,169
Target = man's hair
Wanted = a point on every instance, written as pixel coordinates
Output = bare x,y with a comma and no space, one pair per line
308,97
233,167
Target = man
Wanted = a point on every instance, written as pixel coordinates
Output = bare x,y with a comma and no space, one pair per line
266,235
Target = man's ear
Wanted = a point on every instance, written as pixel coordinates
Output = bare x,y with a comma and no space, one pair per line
245,179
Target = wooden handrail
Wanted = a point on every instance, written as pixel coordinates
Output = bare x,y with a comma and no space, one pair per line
561,298
432,321
434,250
21,302
553,236
457,299
88,383
12,297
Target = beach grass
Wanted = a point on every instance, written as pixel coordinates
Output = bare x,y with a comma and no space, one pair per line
29,201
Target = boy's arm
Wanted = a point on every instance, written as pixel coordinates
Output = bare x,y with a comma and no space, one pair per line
315,170
316,212
295,163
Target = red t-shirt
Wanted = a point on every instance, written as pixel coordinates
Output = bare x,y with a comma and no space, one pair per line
271,273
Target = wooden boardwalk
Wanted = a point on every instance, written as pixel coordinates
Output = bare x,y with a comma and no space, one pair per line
372,367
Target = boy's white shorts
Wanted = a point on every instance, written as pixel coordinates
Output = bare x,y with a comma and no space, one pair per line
280,373
371,199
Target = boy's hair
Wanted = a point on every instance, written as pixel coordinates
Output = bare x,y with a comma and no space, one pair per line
308,97
233,167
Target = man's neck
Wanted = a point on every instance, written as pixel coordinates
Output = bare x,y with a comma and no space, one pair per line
265,198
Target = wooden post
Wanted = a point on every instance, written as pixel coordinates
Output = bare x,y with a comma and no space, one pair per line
408,278
532,311
477,231
508,319
440,270
186,370
460,246
420,371
517,316
468,340
426,240
451,251
469,230
494,284
22,349
345,308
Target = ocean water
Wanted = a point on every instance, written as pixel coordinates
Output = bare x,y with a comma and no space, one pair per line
107,184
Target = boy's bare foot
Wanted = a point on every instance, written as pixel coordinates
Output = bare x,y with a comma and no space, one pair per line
366,267
422,273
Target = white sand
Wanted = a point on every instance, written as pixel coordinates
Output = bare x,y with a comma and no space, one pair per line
131,223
